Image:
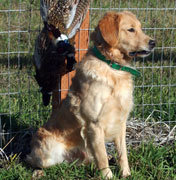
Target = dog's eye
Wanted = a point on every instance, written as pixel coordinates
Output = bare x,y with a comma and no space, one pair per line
131,30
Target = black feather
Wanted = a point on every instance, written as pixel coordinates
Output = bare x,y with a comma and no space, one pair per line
55,61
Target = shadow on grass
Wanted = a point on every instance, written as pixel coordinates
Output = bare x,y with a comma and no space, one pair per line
8,121
15,61
14,137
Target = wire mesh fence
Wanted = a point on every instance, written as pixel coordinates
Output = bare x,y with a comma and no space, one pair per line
154,94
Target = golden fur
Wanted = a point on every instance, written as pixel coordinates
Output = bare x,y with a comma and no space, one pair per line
99,101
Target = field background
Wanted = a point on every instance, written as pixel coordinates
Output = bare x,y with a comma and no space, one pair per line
21,106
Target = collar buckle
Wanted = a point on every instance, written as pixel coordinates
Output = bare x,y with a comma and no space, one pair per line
110,64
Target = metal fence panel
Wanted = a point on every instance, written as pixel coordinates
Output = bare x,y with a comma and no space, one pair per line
155,91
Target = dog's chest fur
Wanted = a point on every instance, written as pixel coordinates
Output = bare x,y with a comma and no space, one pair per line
101,94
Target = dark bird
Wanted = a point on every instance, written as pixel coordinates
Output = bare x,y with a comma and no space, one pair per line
54,53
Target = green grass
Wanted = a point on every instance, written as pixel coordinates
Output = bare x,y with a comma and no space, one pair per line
147,162
155,89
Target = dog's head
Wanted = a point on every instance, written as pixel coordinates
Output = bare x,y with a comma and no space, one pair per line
122,32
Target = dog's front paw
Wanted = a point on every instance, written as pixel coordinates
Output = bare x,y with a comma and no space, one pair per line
126,172
107,173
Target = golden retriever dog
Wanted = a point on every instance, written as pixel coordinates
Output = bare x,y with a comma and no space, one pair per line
100,99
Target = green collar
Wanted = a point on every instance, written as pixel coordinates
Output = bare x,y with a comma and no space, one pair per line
115,65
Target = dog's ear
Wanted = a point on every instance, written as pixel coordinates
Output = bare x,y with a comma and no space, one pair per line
109,27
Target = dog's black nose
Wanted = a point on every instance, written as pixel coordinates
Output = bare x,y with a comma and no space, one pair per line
152,44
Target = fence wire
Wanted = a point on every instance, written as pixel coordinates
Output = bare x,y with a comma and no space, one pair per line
20,101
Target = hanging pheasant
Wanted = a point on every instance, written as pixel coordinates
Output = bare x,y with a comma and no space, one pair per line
54,53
